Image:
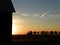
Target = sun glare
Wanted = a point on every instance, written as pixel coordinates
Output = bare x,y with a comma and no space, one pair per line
16,25
14,28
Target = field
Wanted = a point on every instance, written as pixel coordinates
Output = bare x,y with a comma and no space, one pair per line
35,39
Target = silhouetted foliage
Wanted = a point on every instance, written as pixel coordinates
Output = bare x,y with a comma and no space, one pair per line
38,33
29,33
34,33
51,33
46,33
42,32
59,33
55,32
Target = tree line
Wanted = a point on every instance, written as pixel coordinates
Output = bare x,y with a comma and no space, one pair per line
43,33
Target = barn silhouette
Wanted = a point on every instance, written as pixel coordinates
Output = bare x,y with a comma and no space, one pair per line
6,11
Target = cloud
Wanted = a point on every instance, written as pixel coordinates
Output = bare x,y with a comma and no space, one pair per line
54,15
44,14
17,19
25,14
17,13
36,15
22,14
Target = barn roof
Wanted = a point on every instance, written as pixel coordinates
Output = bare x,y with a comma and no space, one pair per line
7,6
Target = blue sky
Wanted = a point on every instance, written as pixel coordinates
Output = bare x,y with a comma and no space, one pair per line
39,13
37,6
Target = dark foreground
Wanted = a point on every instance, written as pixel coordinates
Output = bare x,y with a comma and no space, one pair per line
35,39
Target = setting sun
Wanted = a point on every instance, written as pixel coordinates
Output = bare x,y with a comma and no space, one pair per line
14,25
14,28
17,25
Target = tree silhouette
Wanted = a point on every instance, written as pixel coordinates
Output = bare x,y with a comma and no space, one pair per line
29,33
42,32
55,32
51,33
34,33
38,32
46,33
59,33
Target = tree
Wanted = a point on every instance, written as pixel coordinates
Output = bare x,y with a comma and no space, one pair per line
42,32
46,33
55,32
38,32
59,33
29,33
51,33
34,33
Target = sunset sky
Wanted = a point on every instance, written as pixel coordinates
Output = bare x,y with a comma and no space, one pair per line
36,15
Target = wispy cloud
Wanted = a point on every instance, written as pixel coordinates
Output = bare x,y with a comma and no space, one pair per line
36,15
44,14
25,14
17,13
54,15
22,14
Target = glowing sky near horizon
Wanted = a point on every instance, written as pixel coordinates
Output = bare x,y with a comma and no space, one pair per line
36,15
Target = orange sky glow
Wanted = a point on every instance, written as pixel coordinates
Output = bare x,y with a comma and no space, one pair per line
20,26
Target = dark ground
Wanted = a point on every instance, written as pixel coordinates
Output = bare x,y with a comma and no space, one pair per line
35,39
